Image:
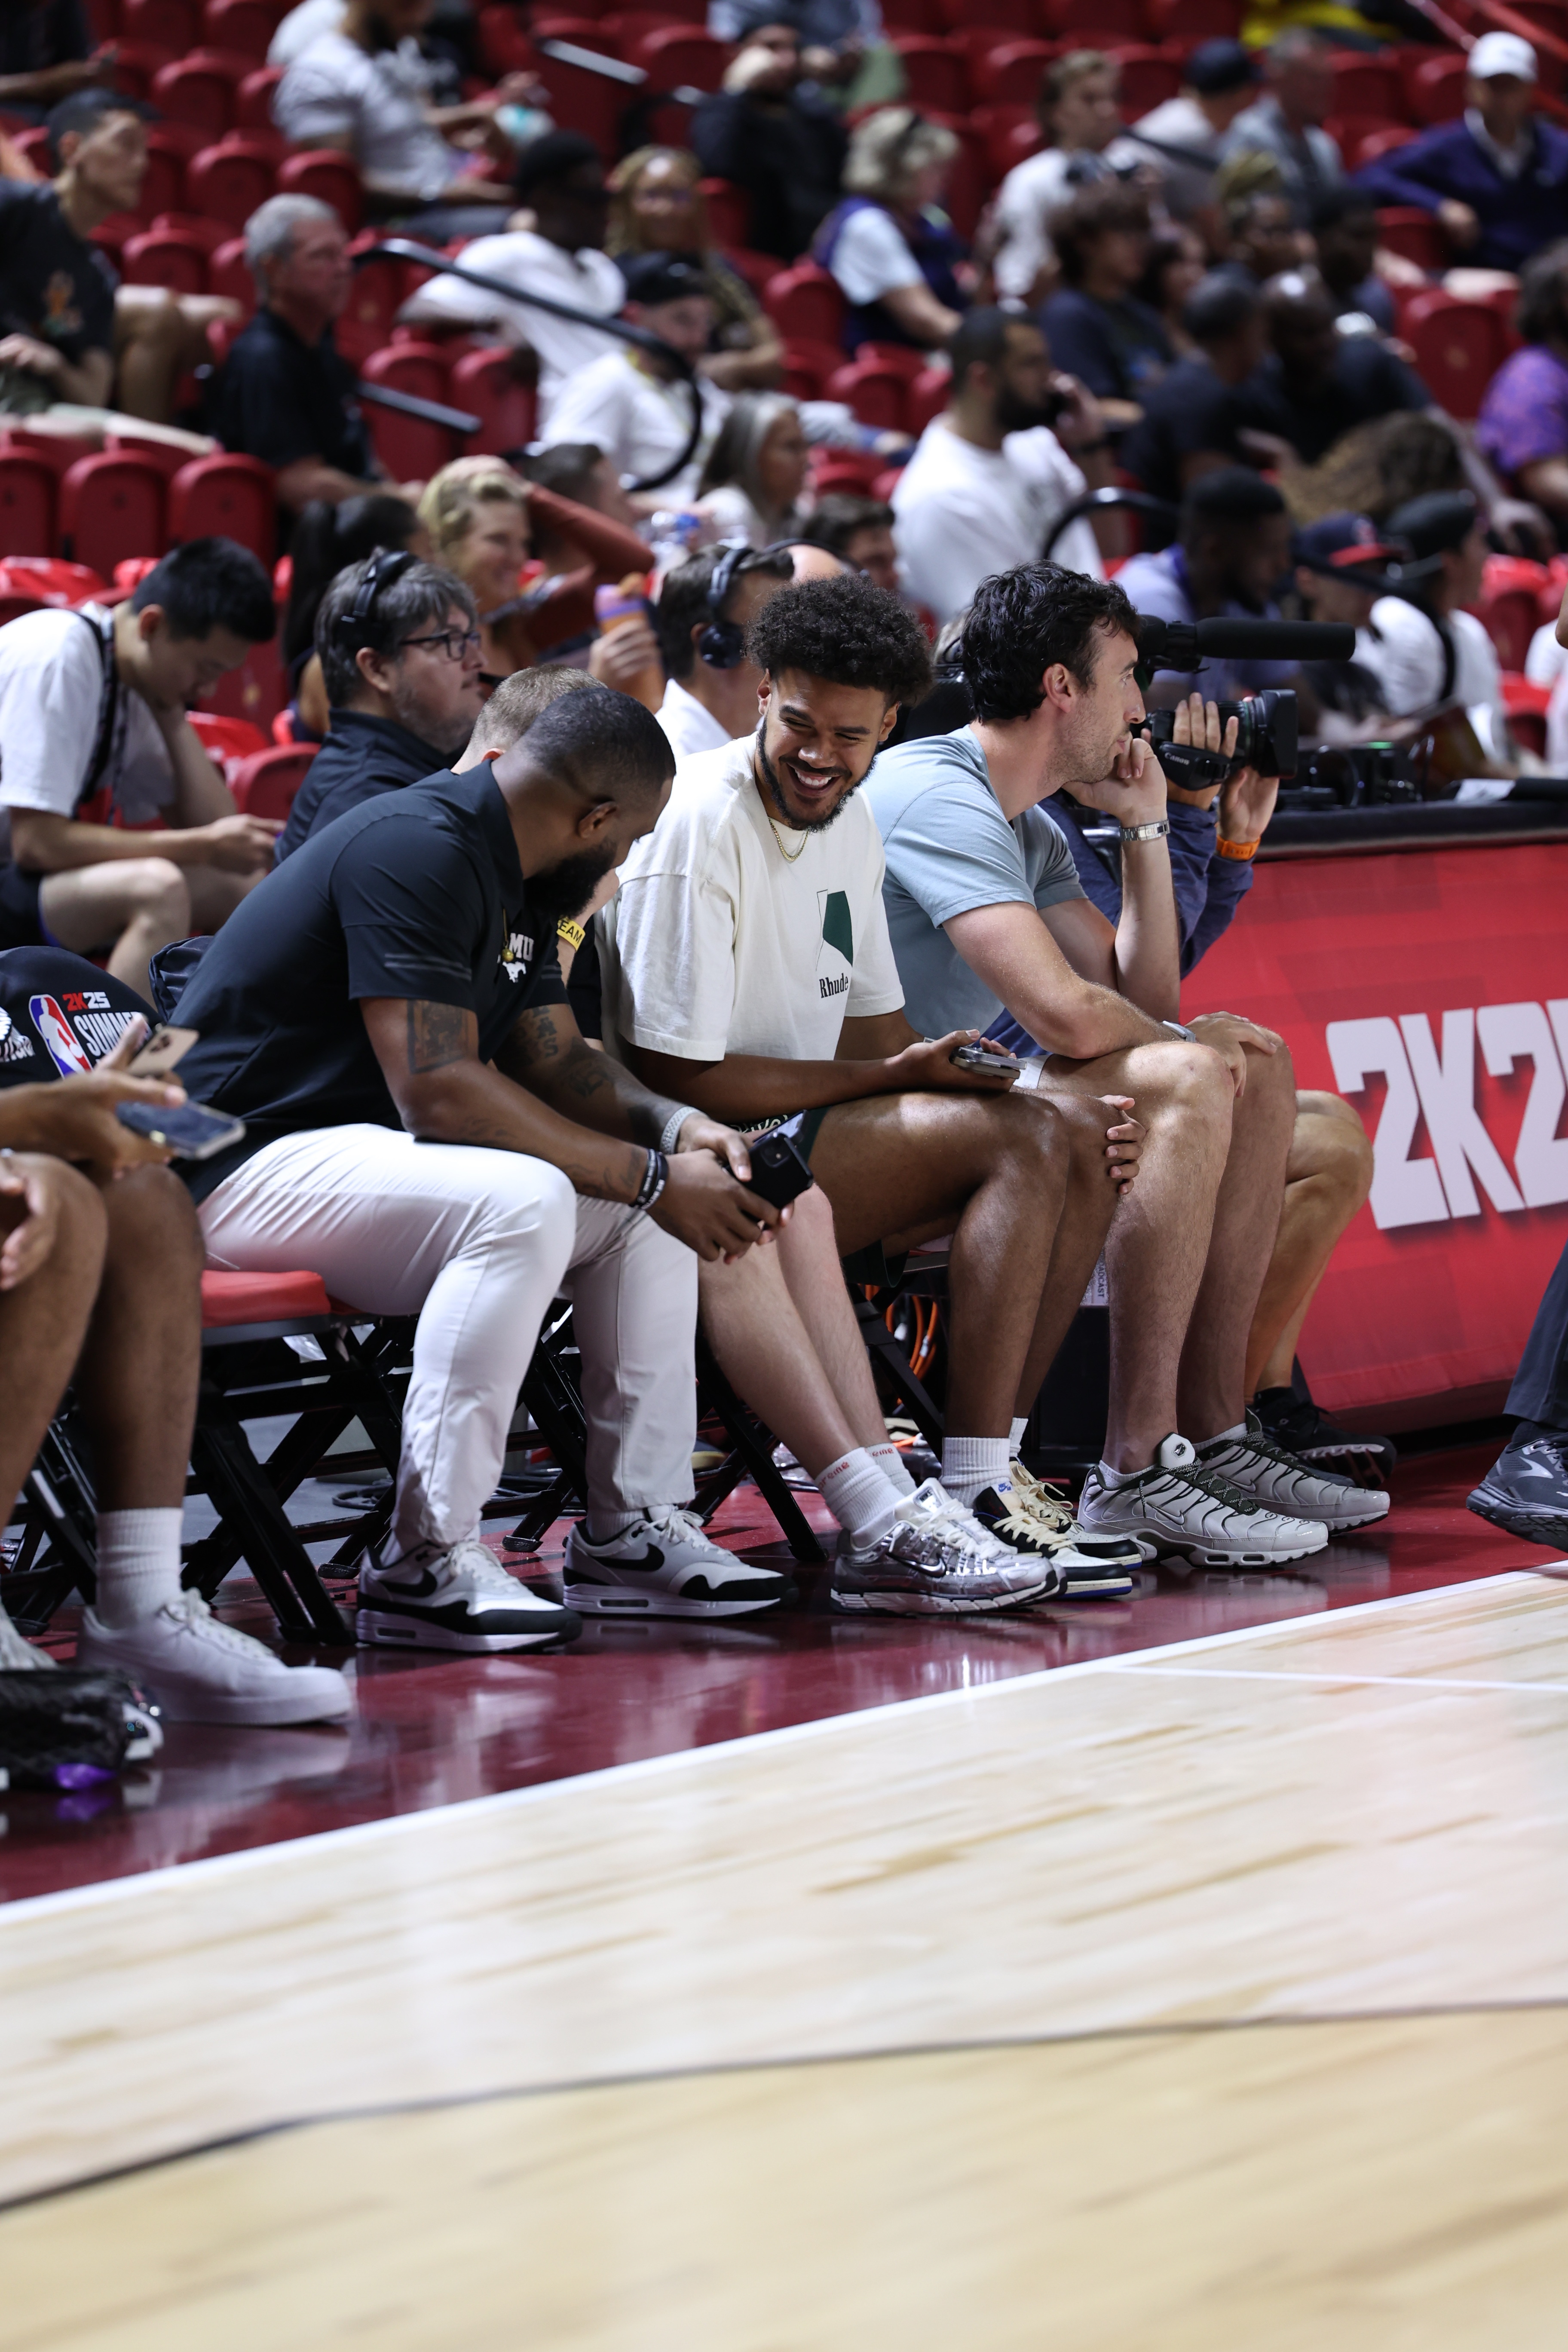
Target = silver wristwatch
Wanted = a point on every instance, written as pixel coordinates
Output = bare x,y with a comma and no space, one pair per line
1156,831
673,1125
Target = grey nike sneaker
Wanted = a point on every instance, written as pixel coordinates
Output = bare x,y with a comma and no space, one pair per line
938,1560
1183,1508
667,1566
1300,1490
461,1598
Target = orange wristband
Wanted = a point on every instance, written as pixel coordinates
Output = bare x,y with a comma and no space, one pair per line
1242,849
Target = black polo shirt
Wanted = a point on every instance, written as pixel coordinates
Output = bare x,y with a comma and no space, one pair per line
278,400
42,33
54,285
58,1014
360,756
417,895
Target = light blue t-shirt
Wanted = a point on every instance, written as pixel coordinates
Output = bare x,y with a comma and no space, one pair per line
950,849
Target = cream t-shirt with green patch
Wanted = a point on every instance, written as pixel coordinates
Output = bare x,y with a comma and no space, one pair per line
718,943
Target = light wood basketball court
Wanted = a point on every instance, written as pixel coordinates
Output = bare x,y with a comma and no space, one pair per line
1215,1996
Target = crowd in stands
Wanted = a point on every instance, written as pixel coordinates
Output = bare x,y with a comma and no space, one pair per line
578,895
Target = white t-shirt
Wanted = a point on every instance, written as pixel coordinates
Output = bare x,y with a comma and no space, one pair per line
870,256
531,263
1546,660
690,725
1030,193
332,90
717,943
51,688
961,512
640,425
302,26
1405,653
1187,185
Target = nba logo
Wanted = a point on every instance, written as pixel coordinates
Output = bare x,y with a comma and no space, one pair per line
59,1038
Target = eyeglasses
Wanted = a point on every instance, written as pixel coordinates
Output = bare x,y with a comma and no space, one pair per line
461,643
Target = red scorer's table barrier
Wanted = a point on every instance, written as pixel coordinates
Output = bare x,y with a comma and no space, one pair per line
1430,988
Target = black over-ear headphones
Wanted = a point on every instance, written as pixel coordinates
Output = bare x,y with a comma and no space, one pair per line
722,645
352,628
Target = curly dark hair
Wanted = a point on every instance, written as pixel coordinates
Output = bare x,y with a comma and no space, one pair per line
846,632
1075,227
1022,621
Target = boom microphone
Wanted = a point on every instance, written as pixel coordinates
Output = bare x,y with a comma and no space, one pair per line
1181,644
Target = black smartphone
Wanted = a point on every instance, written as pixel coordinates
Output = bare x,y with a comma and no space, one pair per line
778,1171
186,1129
990,1061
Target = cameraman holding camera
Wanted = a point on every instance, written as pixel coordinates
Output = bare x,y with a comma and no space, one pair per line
1050,658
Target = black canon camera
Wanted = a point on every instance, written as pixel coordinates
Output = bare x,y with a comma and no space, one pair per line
1266,737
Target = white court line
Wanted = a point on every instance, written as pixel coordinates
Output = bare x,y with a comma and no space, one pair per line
1413,1681
133,1882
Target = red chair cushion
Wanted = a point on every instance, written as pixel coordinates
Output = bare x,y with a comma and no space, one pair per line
231,1298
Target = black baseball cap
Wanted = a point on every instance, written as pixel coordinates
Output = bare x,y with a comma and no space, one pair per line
85,108
1340,544
1218,67
1437,524
655,278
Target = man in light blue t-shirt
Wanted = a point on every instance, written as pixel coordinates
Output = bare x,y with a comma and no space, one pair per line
985,914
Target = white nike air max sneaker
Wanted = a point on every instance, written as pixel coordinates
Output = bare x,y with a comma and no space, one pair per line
17,1655
1305,1490
667,1566
462,1599
1180,1506
202,1671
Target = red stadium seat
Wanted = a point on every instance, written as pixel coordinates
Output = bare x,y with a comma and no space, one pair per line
226,496
1527,705
334,178
170,147
916,16
112,233
729,211
504,45
136,63
682,54
1001,20
1149,77
253,100
877,393
48,580
1368,85
484,383
903,361
1192,21
1010,132
1436,89
1009,75
228,181
229,742
104,18
379,290
257,690
1458,347
111,506
27,497
35,145
244,27
231,1298
936,73
1406,229
228,273
807,367
1384,142
845,469
805,305
171,258
267,783
1092,22
174,23
1351,134
203,90
928,396
1510,604
165,456
409,450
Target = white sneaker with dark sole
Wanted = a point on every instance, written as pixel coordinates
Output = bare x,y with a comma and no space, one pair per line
1302,1490
458,1600
1036,1522
202,1671
1186,1510
937,1561
17,1655
667,1566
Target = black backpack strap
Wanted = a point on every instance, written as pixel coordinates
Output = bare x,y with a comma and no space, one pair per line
108,705
1451,656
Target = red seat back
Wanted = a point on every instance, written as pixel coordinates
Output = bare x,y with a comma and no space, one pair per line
729,211
257,690
253,100
169,257
1009,74
27,504
682,54
51,580
1368,85
1375,143
928,396
1458,347
228,273
1406,229
1149,77
1436,89
984,22
484,383
266,783
936,73
229,742
136,62
112,506
1090,22
877,393
331,177
227,497
232,1298
174,23
230,181
409,450
504,45
202,90
245,27
805,305
1192,21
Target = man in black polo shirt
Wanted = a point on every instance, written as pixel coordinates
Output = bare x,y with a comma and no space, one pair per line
429,1130
285,394
399,642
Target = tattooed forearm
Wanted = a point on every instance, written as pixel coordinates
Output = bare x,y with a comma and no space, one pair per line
534,1037
437,1036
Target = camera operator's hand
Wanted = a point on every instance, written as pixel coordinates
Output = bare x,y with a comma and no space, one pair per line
1246,804
923,1068
704,1207
1197,722
1232,1038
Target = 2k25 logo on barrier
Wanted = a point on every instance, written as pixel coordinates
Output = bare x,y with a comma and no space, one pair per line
1440,1085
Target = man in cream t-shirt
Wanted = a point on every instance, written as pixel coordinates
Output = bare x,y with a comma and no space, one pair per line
746,960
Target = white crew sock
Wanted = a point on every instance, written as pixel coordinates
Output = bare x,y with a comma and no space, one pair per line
1016,1434
860,1496
972,1464
603,1527
890,1462
138,1564
1225,1436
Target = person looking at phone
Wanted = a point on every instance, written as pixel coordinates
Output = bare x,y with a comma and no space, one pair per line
992,475
1050,660
101,1264
429,1130
747,971
96,743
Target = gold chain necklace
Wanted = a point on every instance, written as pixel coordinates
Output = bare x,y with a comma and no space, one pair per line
789,855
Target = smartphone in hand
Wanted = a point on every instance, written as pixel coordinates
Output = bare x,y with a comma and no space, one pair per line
187,1129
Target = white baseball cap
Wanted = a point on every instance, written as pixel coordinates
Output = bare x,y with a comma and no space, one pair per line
1502,53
